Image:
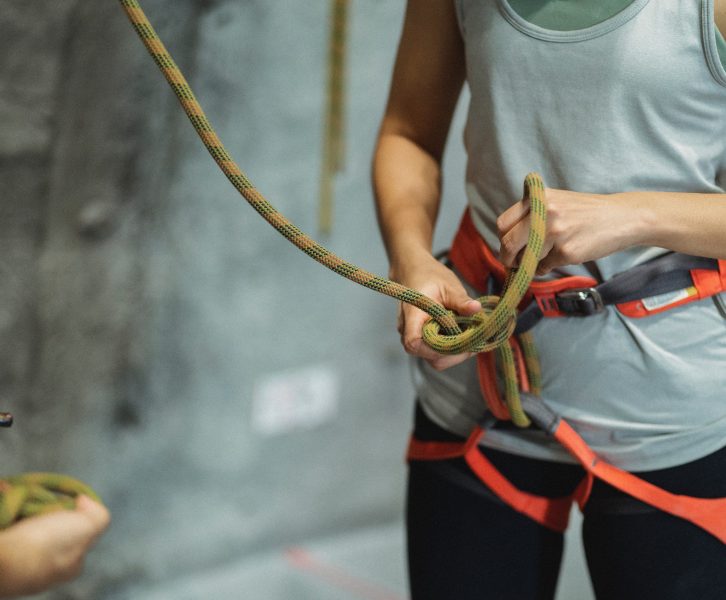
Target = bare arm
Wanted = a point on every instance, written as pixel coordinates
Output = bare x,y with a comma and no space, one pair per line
427,81
719,13
689,223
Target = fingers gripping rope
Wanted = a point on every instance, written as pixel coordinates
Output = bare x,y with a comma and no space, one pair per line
34,494
489,329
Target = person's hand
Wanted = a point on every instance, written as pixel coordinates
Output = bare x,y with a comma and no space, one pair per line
49,549
429,276
580,227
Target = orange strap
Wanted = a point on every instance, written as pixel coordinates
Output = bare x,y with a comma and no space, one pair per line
553,513
706,284
476,262
487,372
707,513
473,258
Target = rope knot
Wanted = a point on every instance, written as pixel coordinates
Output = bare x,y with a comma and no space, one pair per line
33,494
486,330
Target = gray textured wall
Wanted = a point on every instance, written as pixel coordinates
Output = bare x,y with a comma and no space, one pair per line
144,309
152,327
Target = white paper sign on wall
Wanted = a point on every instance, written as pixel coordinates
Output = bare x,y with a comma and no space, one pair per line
291,400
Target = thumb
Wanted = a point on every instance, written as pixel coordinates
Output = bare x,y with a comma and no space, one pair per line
94,511
462,305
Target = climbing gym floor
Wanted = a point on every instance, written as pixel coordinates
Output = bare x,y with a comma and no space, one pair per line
367,564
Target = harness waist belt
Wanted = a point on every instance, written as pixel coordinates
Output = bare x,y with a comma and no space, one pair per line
638,292
663,283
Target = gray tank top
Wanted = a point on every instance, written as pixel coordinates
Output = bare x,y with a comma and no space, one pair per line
636,102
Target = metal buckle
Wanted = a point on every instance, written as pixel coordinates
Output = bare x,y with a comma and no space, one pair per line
585,301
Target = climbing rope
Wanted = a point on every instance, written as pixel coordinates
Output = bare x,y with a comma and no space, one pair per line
445,332
333,137
35,494
32,494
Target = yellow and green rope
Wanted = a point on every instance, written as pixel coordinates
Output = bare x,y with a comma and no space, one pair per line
35,494
444,332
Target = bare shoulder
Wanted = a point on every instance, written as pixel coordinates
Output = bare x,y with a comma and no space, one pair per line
719,11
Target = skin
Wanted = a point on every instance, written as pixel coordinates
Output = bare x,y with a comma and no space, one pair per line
43,551
427,79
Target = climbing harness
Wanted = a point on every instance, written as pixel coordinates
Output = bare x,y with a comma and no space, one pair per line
490,329
34,494
661,284
334,135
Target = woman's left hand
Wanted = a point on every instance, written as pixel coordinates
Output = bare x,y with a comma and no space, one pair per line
580,227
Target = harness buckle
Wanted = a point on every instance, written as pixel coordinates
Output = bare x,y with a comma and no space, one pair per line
580,301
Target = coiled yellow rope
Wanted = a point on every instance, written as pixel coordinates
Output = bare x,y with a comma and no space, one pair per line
444,332
38,493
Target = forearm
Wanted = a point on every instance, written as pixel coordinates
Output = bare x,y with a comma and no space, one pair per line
683,222
407,184
425,86
407,187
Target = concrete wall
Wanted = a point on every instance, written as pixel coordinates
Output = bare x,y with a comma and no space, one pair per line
224,393
151,321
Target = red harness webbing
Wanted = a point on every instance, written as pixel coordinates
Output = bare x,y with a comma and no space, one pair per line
553,513
475,261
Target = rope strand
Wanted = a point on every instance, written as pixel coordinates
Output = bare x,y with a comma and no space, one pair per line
445,332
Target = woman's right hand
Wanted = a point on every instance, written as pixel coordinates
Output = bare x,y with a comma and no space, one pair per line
427,80
430,277
40,552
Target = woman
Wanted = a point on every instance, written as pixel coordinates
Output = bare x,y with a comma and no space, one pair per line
621,106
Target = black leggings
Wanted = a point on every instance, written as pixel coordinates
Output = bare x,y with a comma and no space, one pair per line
465,544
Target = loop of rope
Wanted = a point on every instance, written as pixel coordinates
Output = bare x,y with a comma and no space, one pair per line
494,325
34,494
479,332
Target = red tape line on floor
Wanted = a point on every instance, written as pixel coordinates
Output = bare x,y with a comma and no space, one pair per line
302,560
